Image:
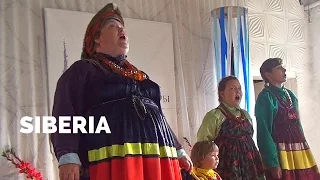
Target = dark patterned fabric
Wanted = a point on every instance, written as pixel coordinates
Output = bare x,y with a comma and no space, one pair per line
133,112
239,157
290,139
185,175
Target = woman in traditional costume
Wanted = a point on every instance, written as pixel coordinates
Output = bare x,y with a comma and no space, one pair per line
141,144
284,149
230,127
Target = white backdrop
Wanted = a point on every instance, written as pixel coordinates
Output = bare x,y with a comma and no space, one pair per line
151,50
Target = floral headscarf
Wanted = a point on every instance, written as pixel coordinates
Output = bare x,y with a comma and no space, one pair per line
110,11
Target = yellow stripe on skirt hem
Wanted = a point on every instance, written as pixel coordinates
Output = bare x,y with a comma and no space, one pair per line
291,160
131,149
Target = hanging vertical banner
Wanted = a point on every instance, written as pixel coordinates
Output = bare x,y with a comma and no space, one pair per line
231,50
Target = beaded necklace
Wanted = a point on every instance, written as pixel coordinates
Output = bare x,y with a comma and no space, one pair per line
128,70
290,111
288,97
287,102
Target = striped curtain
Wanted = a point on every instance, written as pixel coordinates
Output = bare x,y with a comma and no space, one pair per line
231,50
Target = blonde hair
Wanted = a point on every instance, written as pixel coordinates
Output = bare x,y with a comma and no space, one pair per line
200,150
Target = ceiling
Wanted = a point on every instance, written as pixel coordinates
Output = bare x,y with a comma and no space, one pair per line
307,2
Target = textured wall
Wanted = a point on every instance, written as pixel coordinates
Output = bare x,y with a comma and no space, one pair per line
314,106
279,28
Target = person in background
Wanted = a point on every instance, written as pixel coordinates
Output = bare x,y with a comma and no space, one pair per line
284,149
141,144
230,127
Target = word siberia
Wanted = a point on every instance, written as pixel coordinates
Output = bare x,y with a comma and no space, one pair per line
78,123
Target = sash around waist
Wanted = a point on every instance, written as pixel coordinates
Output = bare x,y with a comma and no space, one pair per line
139,103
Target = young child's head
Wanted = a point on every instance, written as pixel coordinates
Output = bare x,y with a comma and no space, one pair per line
230,91
204,154
273,72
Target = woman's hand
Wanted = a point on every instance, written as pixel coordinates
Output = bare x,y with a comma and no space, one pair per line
276,172
69,172
186,163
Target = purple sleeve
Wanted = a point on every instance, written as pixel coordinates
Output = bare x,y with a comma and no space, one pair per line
68,101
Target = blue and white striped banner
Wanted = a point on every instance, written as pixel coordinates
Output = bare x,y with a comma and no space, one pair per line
231,50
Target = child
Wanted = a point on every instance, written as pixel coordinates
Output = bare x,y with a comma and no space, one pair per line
231,129
204,155
285,151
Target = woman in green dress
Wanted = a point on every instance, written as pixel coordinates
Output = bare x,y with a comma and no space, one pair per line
230,127
284,149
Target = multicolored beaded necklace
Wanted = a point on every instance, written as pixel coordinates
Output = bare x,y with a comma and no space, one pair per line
287,103
128,70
